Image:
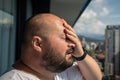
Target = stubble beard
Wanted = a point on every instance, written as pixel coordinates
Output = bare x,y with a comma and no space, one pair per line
55,62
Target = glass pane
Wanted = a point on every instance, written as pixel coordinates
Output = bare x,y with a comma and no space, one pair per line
7,35
99,31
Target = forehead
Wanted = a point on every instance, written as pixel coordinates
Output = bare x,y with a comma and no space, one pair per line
57,28
54,23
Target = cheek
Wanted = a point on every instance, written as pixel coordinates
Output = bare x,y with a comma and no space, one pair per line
59,45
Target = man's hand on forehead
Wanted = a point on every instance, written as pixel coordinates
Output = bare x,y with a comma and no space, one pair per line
71,35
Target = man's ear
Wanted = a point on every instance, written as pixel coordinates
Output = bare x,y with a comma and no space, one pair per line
36,43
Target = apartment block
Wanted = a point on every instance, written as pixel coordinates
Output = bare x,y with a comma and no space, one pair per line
112,41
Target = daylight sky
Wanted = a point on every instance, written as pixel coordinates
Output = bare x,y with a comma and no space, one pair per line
97,15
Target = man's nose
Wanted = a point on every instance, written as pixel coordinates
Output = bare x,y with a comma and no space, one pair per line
71,44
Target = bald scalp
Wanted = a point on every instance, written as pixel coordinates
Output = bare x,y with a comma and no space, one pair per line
39,25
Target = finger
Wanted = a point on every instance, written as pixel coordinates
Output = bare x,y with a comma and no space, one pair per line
71,38
67,25
70,33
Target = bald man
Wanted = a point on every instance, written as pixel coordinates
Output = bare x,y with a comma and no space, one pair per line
52,51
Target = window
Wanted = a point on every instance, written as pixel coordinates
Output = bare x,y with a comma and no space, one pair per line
7,34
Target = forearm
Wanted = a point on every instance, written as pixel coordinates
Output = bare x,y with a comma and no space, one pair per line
90,69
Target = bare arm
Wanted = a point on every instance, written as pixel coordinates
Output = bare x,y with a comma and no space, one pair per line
90,69
88,66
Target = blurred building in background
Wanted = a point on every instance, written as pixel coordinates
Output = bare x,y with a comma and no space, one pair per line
112,60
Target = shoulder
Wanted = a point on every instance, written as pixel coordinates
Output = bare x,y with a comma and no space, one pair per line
17,75
8,75
72,73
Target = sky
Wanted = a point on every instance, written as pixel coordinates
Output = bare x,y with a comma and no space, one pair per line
97,15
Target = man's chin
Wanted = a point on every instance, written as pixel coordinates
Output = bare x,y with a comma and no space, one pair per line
70,60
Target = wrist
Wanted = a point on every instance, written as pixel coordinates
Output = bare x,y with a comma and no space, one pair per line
81,57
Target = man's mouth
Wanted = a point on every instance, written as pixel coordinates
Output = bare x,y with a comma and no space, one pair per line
70,51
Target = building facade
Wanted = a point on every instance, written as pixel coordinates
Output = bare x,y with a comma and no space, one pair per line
112,61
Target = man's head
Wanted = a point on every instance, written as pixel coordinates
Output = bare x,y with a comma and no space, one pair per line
47,43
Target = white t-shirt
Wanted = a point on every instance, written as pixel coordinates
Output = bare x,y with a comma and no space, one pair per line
71,73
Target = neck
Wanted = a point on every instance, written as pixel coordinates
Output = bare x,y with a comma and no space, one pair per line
40,72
